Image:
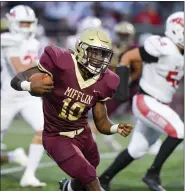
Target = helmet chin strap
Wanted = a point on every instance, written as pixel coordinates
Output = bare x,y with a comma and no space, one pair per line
86,74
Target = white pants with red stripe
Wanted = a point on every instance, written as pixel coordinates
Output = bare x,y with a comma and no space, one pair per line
153,119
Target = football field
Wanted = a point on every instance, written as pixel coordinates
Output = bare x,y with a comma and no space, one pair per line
20,135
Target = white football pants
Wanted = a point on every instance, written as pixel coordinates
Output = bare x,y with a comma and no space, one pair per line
153,119
29,107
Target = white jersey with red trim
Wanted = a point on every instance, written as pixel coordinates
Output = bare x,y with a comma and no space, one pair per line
160,79
15,46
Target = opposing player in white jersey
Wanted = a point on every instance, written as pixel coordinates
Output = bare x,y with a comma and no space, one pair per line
162,70
19,51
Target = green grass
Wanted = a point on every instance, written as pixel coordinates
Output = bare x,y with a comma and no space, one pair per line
20,134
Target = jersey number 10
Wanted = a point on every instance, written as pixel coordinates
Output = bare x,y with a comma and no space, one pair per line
68,112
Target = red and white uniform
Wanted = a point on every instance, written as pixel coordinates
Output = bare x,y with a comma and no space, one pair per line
14,45
159,83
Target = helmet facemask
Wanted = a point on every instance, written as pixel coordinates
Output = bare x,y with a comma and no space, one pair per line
95,59
15,27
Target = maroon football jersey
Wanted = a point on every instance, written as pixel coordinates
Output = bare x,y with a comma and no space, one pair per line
66,108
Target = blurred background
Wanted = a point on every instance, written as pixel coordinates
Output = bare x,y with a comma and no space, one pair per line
60,20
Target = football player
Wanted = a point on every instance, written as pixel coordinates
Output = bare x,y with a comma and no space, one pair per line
163,69
19,51
88,23
81,81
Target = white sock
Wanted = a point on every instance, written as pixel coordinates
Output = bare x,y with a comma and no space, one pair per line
35,154
69,187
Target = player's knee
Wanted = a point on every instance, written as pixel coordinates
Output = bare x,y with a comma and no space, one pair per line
87,174
95,158
180,132
176,132
138,150
37,139
135,153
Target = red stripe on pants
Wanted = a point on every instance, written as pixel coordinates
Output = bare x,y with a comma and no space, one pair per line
154,117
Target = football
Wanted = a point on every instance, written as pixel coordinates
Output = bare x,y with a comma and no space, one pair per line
41,76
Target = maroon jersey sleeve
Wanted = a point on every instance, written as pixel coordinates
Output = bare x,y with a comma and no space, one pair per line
111,82
49,60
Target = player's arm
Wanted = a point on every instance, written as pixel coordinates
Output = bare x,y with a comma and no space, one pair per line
19,66
135,58
13,56
105,125
24,81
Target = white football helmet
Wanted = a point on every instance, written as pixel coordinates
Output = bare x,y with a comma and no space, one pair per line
88,23
22,13
175,28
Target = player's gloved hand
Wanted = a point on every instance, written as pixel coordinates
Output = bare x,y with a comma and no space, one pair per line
41,83
124,129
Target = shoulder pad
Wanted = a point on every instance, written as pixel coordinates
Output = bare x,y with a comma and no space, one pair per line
158,46
8,39
112,80
110,84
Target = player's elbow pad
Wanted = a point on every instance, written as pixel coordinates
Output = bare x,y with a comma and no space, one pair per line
16,84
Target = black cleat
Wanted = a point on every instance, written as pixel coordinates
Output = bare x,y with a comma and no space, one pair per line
153,182
63,184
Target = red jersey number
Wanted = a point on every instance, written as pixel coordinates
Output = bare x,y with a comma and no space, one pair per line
171,78
29,59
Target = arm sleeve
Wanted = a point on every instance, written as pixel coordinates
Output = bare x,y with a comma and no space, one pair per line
48,61
122,91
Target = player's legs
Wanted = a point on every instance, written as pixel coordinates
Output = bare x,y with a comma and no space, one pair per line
142,138
90,149
66,152
152,177
90,152
154,149
164,119
85,173
32,113
158,116
8,110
